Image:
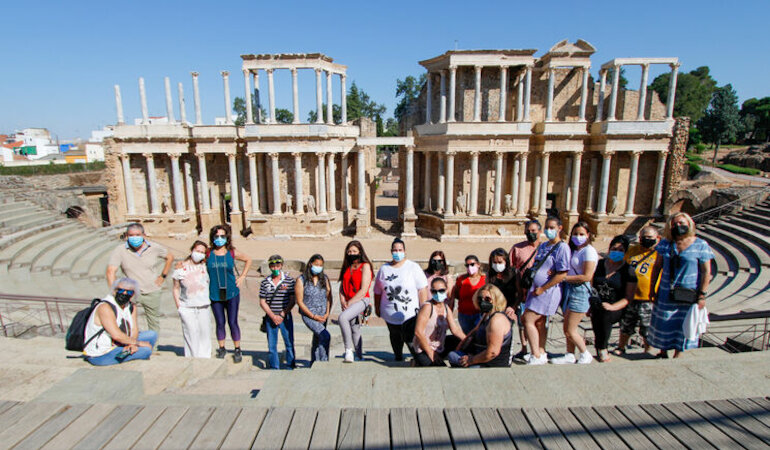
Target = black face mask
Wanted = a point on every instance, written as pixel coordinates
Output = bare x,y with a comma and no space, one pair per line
122,299
436,265
352,259
679,230
648,242
532,237
485,306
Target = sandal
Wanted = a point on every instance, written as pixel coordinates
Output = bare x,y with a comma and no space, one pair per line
619,352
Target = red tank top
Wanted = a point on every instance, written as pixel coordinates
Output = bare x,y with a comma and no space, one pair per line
351,281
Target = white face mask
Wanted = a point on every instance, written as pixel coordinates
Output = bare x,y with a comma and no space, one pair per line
197,257
498,267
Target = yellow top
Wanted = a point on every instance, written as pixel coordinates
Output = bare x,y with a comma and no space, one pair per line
642,260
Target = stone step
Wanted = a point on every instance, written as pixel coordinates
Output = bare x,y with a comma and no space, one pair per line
96,252
25,223
728,298
737,254
755,253
759,240
755,216
10,239
22,253
724,261
751,224
11,207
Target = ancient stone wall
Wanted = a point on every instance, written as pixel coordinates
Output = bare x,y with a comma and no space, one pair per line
675,166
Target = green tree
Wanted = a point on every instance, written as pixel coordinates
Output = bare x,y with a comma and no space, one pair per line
239,106
283,116
361,105
755,117
407,92
336,114
622,81
693,92
721,122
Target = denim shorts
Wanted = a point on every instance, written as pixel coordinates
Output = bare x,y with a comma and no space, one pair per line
576,297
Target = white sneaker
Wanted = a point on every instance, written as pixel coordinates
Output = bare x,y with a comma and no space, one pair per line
569,358
543,359
349,358
527,357
585,358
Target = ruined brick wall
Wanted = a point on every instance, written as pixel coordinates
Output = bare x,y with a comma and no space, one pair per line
675,166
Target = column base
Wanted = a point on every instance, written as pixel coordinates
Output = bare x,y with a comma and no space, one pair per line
409,225
363,227
236,223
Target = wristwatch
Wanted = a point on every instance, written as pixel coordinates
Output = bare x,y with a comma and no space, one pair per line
701,294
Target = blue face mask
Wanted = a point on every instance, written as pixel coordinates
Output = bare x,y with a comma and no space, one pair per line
550,234
135,241
439,297
398,256
316,270
220,241
616,255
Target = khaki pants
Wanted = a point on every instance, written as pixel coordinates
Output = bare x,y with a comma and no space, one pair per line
151,304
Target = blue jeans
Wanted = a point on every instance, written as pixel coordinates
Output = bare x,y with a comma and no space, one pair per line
287,331
111,358
468,321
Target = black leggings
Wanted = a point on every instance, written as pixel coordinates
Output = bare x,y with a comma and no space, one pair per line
602,321
400,335
450,345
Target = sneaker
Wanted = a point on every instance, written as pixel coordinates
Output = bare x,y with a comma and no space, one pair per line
348,356
526,357
237,356
521,355
569,358
533,361
585,358
221,352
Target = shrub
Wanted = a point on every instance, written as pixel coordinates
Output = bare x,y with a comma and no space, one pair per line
51,169
693,168
693,157
700,147
738,169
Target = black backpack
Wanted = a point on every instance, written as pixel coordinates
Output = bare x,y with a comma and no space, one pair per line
76,333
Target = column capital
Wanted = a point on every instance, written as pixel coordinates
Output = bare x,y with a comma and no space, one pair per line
410,147
607,154
578,154
451,153
477,68
636,153
273,155
225,73
343,76
174,155
674,66
474,153
148,155
246,72
231,155
321,155
602,72
499,153
318,70
452,68
293,70
194,74
269,71
645,65
251,155
296,155
663,153
124,155
443,72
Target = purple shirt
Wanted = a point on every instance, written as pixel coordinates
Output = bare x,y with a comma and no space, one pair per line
558,261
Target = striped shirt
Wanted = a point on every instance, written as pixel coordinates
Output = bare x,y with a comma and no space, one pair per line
278,299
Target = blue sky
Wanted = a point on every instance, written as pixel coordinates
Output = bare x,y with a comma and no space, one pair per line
61,59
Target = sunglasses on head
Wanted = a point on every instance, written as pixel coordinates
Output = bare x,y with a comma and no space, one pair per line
438,291
128,292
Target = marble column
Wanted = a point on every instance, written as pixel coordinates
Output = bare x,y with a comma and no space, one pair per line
515,167
592,186
182,109
442,101
576,165
344,182
143,101
477,95
228,106
247,90
343,99
567,184
119,105
276,188
496,211
361,181
257,101
409,190
429,99
528,93
321,194
128,184
253,184
270,96
441,184
152,184
176,182
331,169
188,181
521,208
169,101
235,206
605,184
544,188
660,173
204,184
536,185
196,99
298,195
452,92
614,94
318,97
643,92
450,181
549,101
503,92
632,183
474,206
602,87
583,95
294,95
262,181
426,182
520,98
672,91
329,100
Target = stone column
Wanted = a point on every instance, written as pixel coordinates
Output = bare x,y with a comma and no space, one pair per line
657,195
128,183
321,194
643,92
576,164
672,91
583,95
536,185
544,188
276,188
344,182
496,211
143,100
318,97
253,184
204,183
477,95
503,92
169,102
450,181
262,181
409,190
605,184
567,183
235,206
176,182
549,100
592,186
329,102
196,99
298,195
602,87
294,95
474,206
270,96
528,93
441,184
614,95
442,102
152,184
452,93
343,100
429,99
188,181
228,106
632,183
247,89
257,119
515,182
182,109
332,184
521,208
119,105
361,181
426,183
520,98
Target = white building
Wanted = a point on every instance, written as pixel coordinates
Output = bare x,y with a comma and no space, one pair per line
94,149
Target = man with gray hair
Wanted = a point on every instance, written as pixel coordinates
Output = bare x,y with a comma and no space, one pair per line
138,259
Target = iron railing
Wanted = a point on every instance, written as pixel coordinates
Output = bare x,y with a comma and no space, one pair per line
52,306
727,208
741,332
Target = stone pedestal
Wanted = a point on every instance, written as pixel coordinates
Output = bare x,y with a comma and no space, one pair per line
236,223
410,225
362,225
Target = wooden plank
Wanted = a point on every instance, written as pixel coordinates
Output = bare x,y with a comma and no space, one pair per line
518,428
600,431
29,422
351,432
754,408
433,428
52,427
110,426
571,428
6,405
14,414
245,429
624,428
216,429
761,401
745,419
728,424
80,427
325,431
702,427
301,429
546,429
274,428
134,429
377,428
491,428
187,429
166,422
404,429
673,425
462,428
648,426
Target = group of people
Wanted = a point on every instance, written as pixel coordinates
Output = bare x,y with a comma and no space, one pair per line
466,320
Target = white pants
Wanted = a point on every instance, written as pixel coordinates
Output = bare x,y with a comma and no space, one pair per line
196,329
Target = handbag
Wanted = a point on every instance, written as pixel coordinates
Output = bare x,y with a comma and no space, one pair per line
528,277
681,294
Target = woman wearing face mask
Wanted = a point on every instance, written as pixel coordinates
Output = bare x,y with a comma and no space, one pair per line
577,290
489,343
111,335
431,343
191,294
438,268
683,263
501,274
400,288
355,280
314,298
467,284
224,287
615,282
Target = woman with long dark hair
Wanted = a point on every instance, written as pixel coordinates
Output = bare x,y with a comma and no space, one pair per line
501,274
438,268
355,280
314,298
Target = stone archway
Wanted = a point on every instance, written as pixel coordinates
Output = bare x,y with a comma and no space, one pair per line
689,201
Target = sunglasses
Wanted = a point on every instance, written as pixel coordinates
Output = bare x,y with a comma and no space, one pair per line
437,260
470,265
275,262
438,291
128,292
486,299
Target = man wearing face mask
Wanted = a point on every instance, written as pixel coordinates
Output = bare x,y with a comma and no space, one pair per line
138,259
522,257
